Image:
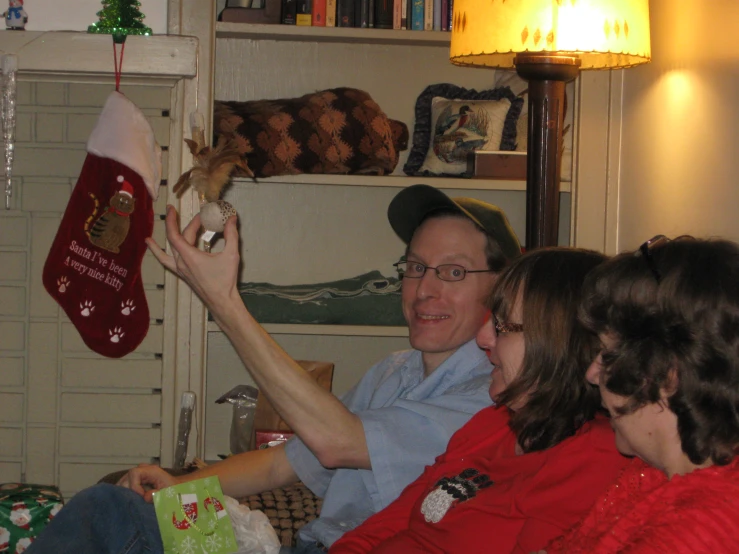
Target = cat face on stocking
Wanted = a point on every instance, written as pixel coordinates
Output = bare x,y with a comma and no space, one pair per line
111,228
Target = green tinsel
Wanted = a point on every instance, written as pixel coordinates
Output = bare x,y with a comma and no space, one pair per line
120,18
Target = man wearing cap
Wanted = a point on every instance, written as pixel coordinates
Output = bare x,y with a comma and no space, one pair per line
358,453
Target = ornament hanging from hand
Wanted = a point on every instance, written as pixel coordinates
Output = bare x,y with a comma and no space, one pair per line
211,171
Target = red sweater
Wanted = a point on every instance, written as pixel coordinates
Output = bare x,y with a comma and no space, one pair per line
480,496
644,512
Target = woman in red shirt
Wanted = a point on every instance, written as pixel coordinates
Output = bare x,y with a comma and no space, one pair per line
668,320
519,473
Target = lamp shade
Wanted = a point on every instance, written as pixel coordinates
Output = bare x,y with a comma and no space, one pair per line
604,34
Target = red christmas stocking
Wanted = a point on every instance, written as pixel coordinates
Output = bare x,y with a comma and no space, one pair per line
94,266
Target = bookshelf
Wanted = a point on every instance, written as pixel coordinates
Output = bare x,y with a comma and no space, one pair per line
319,228
297,33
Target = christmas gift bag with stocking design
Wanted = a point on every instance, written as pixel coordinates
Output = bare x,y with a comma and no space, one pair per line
94,266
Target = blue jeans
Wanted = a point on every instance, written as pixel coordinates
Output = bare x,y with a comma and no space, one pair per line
104,519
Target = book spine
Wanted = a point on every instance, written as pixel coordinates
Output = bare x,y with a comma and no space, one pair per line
330,13
372,14
384,14
303,13
428,15
437,15
289,12
444,15
404,19
345,13
417,15
451,15
398,14
318,13
361,13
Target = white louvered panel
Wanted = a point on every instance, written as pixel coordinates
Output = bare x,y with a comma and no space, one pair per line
110,408
11,441
105,373
11,407
86,441
10,472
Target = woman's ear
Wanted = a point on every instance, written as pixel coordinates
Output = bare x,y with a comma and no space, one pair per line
671,384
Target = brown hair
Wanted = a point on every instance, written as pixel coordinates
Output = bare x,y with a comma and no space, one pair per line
558,349
678,335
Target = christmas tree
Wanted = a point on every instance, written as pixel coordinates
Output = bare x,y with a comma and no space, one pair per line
120,18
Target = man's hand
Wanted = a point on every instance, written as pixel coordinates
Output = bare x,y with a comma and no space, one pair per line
213,277
146,479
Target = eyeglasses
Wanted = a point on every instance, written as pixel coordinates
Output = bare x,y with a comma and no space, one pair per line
506,327
646,251
445,272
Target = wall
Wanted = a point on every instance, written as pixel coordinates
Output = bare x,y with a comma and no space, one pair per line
681,126
76,15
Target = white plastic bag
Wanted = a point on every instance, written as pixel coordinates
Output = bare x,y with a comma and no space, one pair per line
254,534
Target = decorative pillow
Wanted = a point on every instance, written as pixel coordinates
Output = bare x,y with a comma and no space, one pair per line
452,121
339,130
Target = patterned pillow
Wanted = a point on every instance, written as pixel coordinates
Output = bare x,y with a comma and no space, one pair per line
339,130
499,133
461,127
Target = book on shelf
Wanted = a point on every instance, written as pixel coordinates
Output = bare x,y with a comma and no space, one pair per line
397,14
318,13
428,15
289,12
437,15
444,15
330,13
371,13
345,13
404,14
417,15
384,14
303,13
361,13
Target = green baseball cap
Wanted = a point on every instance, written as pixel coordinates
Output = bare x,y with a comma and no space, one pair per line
413,204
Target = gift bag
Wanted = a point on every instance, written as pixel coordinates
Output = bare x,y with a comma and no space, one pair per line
192,518
24,512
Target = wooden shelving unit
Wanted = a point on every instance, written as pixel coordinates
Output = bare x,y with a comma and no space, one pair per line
332,34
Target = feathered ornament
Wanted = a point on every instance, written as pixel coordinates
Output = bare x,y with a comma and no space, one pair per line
211,171
212,168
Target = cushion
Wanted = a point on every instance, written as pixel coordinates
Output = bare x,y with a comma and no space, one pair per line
339,130
288,509
452,121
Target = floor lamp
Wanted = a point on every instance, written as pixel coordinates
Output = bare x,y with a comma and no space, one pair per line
548,42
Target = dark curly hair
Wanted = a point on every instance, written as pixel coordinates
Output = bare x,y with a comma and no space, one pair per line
675,318
558,349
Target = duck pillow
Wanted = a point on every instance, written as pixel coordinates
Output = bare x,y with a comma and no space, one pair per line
451,126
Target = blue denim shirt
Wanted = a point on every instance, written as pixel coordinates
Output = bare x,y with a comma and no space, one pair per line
408,421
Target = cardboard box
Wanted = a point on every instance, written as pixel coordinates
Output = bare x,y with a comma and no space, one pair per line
497,165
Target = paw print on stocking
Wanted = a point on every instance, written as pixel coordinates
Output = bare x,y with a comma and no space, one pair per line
450,491
127,307
86,308
63,284
116,334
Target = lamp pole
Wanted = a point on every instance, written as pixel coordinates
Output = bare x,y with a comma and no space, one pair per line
547,75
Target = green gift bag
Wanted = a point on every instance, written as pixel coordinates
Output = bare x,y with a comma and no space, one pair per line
192,518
